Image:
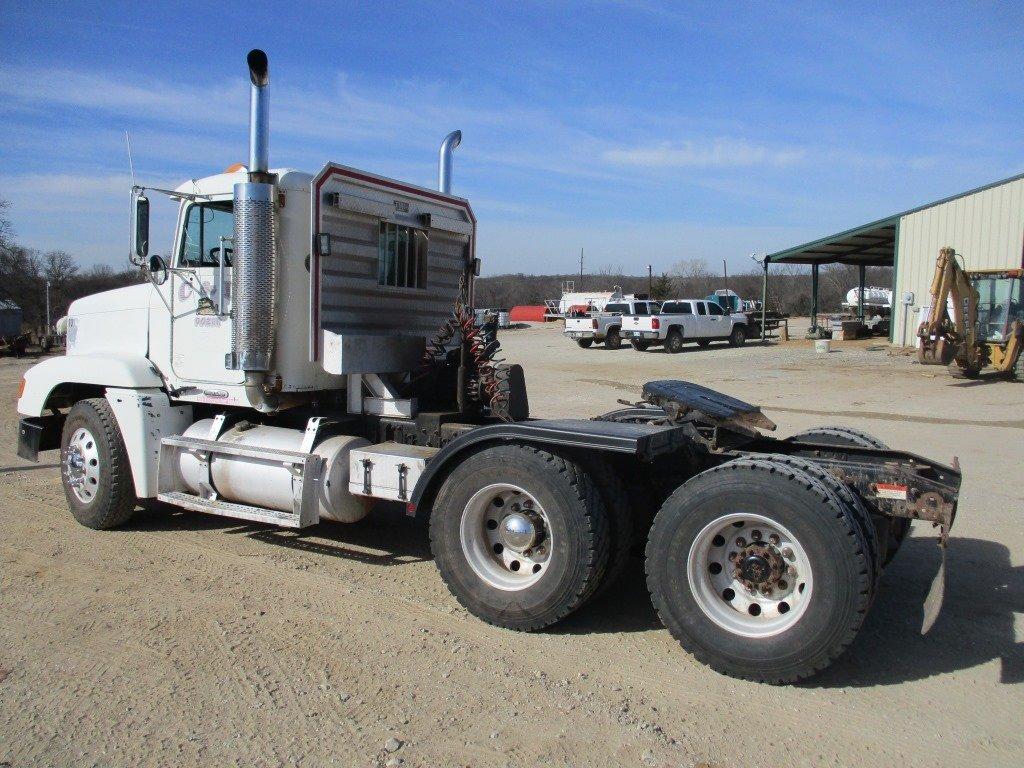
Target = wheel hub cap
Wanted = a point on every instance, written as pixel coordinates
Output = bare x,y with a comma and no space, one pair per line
82,465
518,532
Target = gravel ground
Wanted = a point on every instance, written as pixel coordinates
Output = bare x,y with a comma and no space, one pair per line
187,640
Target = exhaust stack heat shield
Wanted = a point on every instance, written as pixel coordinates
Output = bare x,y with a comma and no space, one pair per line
253,278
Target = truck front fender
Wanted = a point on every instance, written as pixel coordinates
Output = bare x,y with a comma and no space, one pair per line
46,379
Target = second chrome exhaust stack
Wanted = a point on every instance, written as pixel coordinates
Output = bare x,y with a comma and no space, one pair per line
444,161
254,264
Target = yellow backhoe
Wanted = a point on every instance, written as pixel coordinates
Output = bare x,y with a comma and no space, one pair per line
976,320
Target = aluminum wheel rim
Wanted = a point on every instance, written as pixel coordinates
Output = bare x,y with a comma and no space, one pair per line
82,465
723,596
486,542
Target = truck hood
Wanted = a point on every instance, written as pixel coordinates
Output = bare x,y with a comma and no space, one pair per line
128,298
111,321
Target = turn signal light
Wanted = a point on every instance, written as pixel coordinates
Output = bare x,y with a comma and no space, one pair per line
21,388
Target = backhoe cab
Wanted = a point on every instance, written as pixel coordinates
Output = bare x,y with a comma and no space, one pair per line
976,320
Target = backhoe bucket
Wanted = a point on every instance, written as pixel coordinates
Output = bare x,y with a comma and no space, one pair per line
936,351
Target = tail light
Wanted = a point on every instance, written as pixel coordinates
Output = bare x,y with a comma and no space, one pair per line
593,324
21,388
655,323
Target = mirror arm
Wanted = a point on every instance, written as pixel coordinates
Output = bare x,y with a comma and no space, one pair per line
171,193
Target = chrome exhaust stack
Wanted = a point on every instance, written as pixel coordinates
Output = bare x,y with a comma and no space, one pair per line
444,161
254,264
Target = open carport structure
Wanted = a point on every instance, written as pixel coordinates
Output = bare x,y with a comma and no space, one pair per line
985,225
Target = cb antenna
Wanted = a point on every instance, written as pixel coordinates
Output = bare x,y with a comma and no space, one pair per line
131,165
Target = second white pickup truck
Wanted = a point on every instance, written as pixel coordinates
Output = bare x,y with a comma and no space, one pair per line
684,320
606,326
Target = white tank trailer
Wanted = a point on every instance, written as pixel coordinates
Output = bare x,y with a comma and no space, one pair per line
308,349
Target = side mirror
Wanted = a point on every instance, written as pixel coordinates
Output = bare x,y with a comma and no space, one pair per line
158,271
140,229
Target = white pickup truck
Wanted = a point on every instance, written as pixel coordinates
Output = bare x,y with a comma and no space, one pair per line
606,326
684,320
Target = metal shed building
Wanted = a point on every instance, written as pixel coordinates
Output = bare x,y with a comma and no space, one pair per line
10,318
984,225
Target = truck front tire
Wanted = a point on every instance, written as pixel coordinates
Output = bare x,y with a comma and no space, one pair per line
738,337
95,472
758,572
520,536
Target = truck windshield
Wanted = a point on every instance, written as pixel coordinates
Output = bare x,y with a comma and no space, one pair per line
205,224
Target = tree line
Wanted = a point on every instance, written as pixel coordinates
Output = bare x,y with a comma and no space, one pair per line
789,286
24,273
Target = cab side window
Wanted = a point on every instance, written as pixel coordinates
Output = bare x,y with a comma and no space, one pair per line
714,309
205,224
702,308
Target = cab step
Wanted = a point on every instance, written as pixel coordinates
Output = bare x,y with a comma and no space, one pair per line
232,509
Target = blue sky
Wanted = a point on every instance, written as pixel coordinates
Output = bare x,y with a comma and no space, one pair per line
640,131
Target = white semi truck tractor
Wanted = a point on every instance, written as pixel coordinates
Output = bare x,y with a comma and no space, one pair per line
308,349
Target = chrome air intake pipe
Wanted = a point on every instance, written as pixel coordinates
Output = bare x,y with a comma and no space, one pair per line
254,264
444,161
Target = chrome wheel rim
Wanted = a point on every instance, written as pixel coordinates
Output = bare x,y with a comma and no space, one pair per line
82,465
749,575
506,537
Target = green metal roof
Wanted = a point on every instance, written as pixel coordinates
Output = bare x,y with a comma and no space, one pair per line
872,244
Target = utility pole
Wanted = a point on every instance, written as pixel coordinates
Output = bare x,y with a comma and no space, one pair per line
728,298
581,269
47,307
650,282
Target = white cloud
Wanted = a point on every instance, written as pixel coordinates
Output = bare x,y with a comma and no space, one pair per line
714,153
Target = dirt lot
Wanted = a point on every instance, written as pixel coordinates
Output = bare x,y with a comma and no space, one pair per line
186,639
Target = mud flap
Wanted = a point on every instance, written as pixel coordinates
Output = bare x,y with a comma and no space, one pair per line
937,591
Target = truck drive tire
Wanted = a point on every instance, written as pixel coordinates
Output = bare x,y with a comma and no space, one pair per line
95,472
674,341
738,337
758,571
640,345
893,530
520,536
585,343
613,340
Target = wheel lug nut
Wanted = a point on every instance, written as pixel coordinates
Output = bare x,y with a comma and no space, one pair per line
755,535
787,553
782,584
741,542
774,539
733,556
